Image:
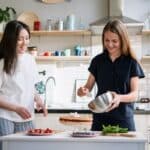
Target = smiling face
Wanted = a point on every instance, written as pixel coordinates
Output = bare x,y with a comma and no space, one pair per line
112,43
23,41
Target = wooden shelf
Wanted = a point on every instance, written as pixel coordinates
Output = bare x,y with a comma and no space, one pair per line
145,59
146,32
60,33
63,58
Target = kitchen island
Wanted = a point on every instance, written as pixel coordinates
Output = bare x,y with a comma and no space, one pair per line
64,141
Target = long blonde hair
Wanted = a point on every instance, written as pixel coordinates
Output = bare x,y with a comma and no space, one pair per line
117,27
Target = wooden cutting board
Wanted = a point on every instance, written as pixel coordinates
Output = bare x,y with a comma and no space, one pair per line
75,119
129,134
52,1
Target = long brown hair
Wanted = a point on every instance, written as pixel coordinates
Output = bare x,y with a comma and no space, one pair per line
8,44
117,27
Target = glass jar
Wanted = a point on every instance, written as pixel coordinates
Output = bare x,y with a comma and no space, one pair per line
37,25
49,24
32,50
60,25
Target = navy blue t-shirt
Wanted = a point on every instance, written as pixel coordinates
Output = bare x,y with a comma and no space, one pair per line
115,76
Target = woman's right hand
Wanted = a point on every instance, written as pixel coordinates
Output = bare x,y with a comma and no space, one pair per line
82,91
23,112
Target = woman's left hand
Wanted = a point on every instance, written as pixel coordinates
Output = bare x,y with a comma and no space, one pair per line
115,102
40,105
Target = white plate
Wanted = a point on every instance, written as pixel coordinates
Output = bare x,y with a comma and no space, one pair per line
28,18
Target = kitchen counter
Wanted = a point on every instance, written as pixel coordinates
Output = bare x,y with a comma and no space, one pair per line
140,108
64,141
86,111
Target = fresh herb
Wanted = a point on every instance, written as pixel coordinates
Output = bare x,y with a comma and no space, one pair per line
5,14
113,129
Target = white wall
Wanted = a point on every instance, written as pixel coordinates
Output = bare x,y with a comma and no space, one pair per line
87,10
137,9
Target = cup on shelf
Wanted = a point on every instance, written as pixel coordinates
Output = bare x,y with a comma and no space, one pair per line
57,53
77,50
67,52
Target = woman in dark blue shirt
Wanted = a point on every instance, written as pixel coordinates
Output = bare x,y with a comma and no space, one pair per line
117,70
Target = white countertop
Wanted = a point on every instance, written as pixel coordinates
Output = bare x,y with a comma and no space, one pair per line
66,136
64,141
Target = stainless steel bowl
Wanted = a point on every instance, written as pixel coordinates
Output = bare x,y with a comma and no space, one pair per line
101,103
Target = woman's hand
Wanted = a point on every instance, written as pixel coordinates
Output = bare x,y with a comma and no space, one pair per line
115,102
40,105
23,112
82,91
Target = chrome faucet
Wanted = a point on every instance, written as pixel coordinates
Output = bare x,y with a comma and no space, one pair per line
48,79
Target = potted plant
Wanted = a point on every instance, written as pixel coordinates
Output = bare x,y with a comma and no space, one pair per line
5,16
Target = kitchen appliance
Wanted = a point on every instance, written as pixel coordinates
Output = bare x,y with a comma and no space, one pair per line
115,11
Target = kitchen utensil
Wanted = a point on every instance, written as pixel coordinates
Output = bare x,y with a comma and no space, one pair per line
29,18
101,103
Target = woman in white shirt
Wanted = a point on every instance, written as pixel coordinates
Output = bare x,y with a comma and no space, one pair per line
18,75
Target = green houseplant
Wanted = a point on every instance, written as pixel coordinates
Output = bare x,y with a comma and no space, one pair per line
5,16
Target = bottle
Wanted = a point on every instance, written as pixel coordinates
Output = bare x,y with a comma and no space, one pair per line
49,24
60,25
71,22
147,22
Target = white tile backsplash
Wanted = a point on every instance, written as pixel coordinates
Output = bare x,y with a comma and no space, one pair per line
65,77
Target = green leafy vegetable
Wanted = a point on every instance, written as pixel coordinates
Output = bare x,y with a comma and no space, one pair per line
113,129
